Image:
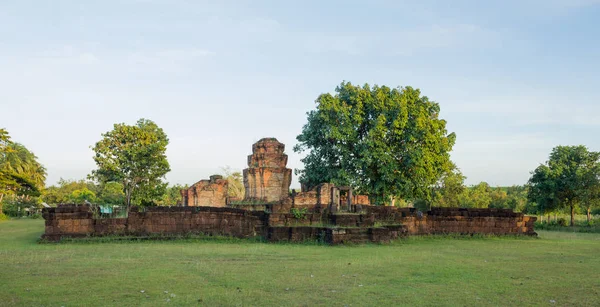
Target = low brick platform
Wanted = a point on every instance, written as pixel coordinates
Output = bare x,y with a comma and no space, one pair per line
78,221
372,224
335,235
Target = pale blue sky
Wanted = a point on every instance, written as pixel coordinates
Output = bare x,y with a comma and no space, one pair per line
513,78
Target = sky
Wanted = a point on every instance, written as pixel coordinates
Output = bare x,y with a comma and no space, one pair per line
513,78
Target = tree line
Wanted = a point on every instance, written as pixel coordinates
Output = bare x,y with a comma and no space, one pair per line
131,168
388,143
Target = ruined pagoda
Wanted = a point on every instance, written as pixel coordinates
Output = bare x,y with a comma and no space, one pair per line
267,179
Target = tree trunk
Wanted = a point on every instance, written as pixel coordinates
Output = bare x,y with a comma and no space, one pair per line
589,214
1,197
548,218
572,216
128,198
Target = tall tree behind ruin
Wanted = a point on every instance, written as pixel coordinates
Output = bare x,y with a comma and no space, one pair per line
235,188
136,157
385,142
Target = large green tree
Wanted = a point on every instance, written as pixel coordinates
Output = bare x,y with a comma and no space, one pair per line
135,156
570,178
386,142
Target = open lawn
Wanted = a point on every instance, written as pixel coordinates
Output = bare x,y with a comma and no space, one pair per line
560,269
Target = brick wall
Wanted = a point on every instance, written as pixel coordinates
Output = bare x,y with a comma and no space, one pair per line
456,220
78,221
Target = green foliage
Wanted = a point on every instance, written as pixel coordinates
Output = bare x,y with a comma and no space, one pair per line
20,172
570,178
449,189
385,142
299,213
135,157
81,196
235,182
63,191
111,193
584,226
16,206
478,196
172,195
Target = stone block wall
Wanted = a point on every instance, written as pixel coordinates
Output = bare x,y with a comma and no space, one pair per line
456,220
375,224
335,235
68,220
78,221
288,219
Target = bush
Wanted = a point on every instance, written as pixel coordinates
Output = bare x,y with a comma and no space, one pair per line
15,207
299,213
3,217
562,222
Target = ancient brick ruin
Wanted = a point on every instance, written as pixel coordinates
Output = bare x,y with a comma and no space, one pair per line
210,193
327,213
267,179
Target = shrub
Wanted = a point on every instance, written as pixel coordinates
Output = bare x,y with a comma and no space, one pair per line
562,222
299,213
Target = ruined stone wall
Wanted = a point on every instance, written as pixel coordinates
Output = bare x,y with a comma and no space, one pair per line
209,193
335,235
456,220
267,178
78,221
373,224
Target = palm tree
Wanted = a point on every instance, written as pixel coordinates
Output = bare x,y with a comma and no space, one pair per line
20,172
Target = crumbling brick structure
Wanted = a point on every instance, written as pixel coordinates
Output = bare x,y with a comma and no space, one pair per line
267,179
374,224
210,193
78,221
327,213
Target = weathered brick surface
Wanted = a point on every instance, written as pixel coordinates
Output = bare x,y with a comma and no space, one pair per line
65,221
211,193
288,219
78,221
267,178
456,220
352,220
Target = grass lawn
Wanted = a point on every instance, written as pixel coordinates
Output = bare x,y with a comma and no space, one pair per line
558,269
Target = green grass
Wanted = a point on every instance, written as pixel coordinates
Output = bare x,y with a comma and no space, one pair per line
431,271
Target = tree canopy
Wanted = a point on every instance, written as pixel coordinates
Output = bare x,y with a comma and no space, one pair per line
386,142
135,156
235,180
570,178
449,189
21,175
20,172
